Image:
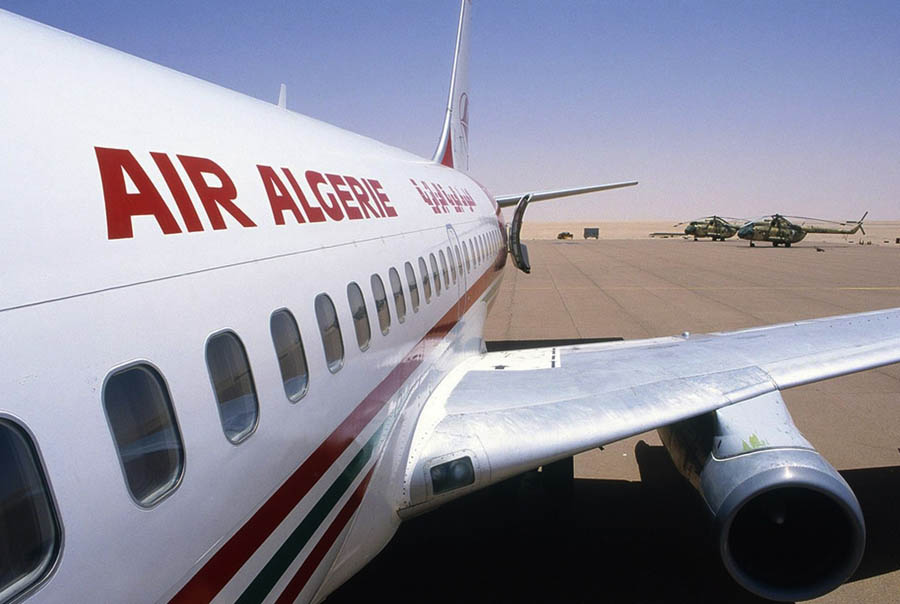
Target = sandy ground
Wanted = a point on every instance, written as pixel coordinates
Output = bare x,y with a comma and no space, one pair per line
878,232
634,530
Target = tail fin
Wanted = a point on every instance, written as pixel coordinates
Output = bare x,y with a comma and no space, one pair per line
453,148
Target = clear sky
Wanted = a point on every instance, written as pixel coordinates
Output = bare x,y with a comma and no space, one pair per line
734,108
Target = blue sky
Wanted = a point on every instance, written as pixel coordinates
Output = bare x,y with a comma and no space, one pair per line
737,108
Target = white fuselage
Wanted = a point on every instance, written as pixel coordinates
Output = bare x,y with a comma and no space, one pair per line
302,503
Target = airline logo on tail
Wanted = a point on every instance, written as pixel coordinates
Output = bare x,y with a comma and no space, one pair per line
464,116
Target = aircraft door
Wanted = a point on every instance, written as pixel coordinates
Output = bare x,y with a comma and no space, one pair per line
459,264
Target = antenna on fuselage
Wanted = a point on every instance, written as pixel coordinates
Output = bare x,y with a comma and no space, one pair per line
282,96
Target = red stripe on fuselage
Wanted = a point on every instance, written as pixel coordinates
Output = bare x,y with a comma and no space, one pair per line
309,566
219,569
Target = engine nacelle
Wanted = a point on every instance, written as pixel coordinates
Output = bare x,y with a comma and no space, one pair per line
788,527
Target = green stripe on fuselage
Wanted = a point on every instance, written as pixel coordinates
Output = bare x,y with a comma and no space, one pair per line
260,587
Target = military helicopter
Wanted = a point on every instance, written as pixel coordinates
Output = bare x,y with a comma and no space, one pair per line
780,230
717,227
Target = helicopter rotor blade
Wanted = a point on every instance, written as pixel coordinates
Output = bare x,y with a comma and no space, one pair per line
860,223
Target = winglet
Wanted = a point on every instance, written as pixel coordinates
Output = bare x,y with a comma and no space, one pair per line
282,97
453,148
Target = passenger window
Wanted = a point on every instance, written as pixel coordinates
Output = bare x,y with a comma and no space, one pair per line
232,382
30,533
435,275
413,288
399,300
381,304
331,332
426,283
466,250
360,315
290,354
444,270
452,265
142,422
458,260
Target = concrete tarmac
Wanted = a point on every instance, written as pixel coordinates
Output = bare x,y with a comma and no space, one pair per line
635,532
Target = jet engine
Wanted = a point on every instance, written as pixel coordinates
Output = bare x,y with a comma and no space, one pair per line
787,525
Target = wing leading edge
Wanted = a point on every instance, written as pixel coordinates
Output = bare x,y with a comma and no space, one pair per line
505,201
509,412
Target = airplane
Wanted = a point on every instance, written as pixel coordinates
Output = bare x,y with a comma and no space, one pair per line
715,227
780,230
242,346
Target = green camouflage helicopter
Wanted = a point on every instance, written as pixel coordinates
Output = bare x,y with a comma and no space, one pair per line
780,230
717,227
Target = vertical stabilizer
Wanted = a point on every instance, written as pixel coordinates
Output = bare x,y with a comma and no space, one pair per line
453,148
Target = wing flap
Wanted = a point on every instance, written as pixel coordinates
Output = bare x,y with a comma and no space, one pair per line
512,411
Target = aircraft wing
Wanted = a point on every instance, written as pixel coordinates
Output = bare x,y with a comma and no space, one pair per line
510,412
505,201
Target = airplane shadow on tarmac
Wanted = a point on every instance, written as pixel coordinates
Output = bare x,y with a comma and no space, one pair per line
614,541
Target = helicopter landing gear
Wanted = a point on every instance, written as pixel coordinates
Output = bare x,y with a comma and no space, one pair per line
752,244
787,244
774,244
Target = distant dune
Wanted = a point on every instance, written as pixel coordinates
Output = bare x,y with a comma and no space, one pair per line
876,231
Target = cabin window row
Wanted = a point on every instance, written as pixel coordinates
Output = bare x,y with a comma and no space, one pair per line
142,418
139,407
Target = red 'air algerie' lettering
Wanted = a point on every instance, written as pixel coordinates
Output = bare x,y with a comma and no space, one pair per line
182,199
383,202
359,192
338,196
279,198
344,195
121,205
213,197
313,213
315,180
128,191
145,200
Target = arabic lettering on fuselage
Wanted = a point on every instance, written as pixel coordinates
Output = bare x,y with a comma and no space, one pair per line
441,198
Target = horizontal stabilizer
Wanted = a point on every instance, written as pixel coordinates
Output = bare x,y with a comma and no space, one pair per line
504,201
